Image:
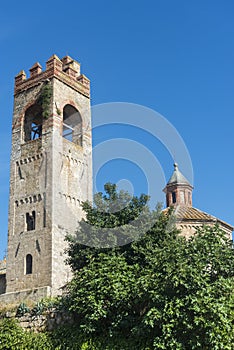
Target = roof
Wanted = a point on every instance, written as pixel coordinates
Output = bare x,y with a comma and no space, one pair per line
177,177
186,213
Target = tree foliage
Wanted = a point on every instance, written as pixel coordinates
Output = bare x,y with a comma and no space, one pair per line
159,291
115,219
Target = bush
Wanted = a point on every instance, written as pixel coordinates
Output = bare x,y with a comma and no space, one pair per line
13,337
22,310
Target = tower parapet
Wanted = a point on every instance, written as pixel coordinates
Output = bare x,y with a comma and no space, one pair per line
67,70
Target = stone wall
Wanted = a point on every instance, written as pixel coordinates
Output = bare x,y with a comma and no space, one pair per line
44,322
25,295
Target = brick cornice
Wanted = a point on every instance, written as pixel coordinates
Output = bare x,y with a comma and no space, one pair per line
54,70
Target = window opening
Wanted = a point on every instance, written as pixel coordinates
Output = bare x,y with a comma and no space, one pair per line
28,264
33,123
72,125
173,197
31,221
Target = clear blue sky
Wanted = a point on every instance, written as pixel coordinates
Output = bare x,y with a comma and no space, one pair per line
176,57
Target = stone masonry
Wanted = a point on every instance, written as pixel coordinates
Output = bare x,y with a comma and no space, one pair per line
50,175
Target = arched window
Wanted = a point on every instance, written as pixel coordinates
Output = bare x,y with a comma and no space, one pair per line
33,123
72,125
28,264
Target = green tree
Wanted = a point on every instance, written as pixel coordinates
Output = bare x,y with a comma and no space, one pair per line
159,291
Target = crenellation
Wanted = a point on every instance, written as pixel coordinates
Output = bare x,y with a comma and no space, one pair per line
54,63
35,70
66,70
84,80
20,78
70,71
66,60
72,65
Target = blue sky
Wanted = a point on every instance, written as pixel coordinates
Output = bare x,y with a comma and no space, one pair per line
176,57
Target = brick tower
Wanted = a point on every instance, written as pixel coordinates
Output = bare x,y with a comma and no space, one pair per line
188,219
51,173
178,189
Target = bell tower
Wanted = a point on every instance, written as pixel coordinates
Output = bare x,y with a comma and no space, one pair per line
51,173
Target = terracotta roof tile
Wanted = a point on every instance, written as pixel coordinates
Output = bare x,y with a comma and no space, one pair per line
185,213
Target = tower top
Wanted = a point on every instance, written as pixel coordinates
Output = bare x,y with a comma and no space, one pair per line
177,177
178,189
66,70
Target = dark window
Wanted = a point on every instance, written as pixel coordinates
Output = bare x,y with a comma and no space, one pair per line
20,173
173,197
72,125
44,217
28,264
33,123
31,221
